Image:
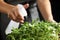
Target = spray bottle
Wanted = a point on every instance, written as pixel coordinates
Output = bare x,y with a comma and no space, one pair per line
12,24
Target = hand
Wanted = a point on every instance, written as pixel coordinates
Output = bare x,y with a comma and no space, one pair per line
14,14
53,21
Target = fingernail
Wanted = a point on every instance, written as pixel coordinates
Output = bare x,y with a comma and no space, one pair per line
22,21
27,4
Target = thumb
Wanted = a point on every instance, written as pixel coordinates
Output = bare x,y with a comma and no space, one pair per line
26,6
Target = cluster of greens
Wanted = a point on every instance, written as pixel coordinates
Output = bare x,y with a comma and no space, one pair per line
35,31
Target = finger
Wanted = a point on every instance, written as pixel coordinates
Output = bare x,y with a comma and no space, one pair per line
20,17
21,21
13,16
9,15
26,6
17,15
14,19
15,11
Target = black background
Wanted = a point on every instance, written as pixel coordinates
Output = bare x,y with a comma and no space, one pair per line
56,9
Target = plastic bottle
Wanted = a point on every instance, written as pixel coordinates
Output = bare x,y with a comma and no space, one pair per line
14,24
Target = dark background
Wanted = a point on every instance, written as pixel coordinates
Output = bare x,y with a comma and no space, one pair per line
56,9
